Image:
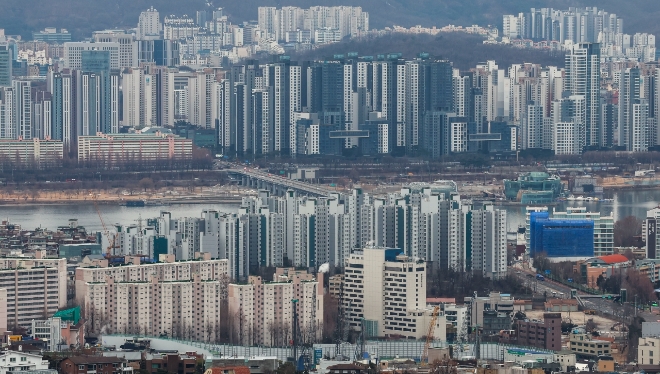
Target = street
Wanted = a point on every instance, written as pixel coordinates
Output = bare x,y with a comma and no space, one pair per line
619,312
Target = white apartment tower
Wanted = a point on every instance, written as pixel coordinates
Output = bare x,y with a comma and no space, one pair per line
583,78
487,227
149,25
386,291
22,109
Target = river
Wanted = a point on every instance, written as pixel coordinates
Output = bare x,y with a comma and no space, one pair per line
625,203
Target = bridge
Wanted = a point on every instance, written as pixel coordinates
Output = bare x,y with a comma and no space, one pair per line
277,185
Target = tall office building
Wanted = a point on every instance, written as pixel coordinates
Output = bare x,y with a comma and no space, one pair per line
583,78
98,94
128,47
162,52
73,53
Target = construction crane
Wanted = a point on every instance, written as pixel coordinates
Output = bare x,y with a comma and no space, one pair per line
429,336
106,232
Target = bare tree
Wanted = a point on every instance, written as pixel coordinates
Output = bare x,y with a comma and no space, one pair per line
625,231
209,331
443,367
639,285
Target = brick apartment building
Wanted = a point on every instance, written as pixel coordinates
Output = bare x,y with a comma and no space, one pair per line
94,364
544,334
172,363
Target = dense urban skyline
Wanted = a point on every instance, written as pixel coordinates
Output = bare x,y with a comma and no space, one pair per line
369,195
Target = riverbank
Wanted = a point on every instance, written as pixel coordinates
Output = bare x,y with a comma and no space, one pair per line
197,195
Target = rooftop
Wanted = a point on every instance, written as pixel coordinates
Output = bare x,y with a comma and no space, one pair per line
614,259
82,360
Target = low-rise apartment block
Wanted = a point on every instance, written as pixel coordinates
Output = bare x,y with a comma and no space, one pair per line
583,345
648,351
33,152
126,148
544,334
94,365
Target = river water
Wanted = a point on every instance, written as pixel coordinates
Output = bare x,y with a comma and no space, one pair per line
50,216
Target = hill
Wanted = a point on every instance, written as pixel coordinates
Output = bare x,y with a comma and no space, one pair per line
465,51
83,16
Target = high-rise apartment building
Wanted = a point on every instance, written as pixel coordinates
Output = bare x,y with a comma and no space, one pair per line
22,109
583,79
149,25
486,230
177,299
36,288
262,313
5,65
385,291
7,113
343,20
187,309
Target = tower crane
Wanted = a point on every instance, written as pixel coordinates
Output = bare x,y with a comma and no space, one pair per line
106,232
429,336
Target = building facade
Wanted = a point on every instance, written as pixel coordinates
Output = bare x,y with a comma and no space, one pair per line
35,289
386,290
263,312
126,148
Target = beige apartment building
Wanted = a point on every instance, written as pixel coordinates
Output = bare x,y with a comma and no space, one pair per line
388,290
133,147
35,288
648,351
185,309
583,344
167,269
175,298
262,312
32,293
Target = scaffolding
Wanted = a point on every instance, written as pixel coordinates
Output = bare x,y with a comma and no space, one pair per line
561,237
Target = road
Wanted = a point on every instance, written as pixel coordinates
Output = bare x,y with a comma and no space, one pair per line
606,307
